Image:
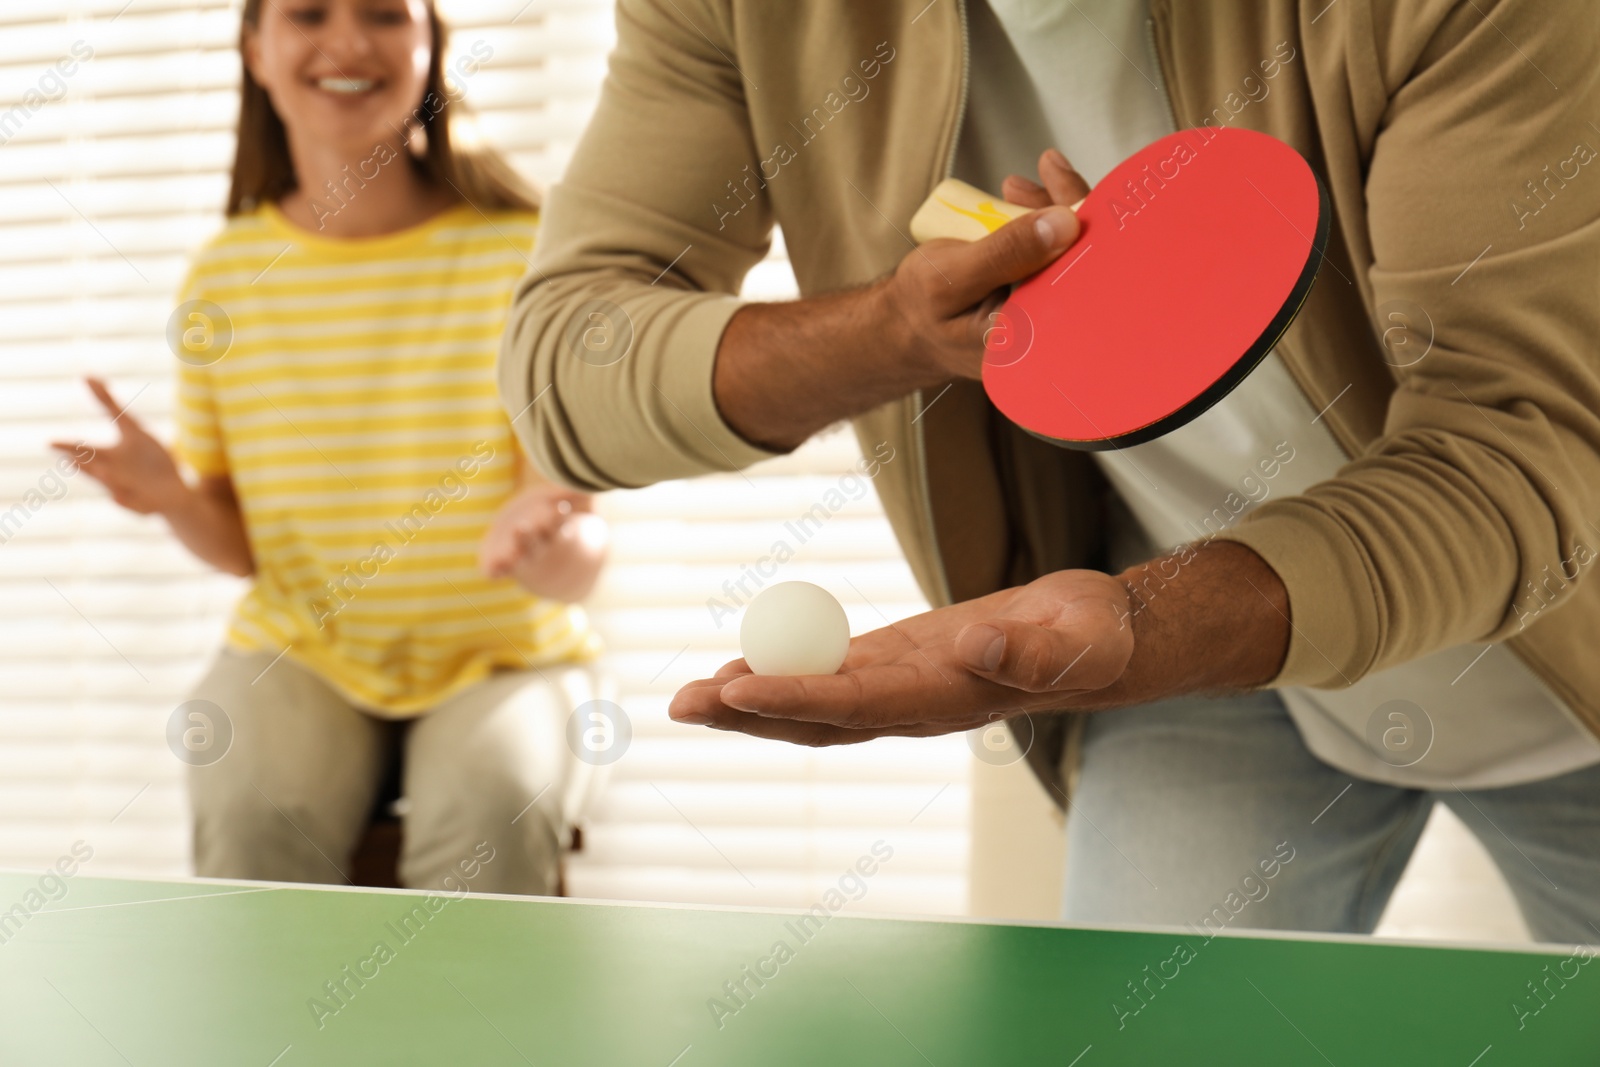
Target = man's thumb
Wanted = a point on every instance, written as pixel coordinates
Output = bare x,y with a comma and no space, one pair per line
1026,245
1021,655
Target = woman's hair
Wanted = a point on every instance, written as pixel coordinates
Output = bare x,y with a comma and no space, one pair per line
263,170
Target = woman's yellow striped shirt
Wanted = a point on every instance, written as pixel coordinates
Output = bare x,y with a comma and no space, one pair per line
356,411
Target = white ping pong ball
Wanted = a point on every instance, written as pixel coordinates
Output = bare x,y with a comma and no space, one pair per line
794,628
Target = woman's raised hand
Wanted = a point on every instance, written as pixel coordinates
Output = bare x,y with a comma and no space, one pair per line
137,470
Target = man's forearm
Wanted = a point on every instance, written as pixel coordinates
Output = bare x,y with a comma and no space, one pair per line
1207,618
786,370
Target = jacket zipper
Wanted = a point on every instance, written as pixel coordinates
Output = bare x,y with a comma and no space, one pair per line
1161,77
961,104
915,398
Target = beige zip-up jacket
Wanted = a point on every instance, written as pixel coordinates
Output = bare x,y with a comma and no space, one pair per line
1457,139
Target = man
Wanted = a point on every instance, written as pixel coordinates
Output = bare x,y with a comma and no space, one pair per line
1402,611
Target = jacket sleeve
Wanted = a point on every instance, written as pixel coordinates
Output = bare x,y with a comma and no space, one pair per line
1483,198
607,358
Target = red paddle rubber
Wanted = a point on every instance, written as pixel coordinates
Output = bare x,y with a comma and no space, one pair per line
1194,256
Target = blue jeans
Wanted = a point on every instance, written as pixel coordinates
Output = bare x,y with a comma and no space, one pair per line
1212,813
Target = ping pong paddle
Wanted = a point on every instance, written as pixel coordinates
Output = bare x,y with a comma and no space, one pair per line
1194,255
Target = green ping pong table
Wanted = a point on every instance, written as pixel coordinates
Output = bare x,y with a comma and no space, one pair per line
153,973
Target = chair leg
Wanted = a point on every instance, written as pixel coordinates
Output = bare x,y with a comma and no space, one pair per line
375,862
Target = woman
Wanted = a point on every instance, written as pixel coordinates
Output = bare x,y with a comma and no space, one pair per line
413,579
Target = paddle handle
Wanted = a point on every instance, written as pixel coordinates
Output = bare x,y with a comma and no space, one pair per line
964,212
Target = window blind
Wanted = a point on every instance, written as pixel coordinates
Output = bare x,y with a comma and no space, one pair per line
115,137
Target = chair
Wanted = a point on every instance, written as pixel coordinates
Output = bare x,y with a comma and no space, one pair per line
375,862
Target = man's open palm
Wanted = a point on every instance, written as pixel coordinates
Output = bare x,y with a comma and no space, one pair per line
1035,647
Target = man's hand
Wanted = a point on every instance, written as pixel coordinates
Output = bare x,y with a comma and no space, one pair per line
1045,645
1062,184
786,370
1211,617
137,471
946,292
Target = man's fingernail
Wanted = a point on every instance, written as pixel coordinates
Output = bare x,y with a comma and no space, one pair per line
992,651
691,718
1046,232
1054,229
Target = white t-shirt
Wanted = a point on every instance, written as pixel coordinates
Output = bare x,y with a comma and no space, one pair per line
1083,77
